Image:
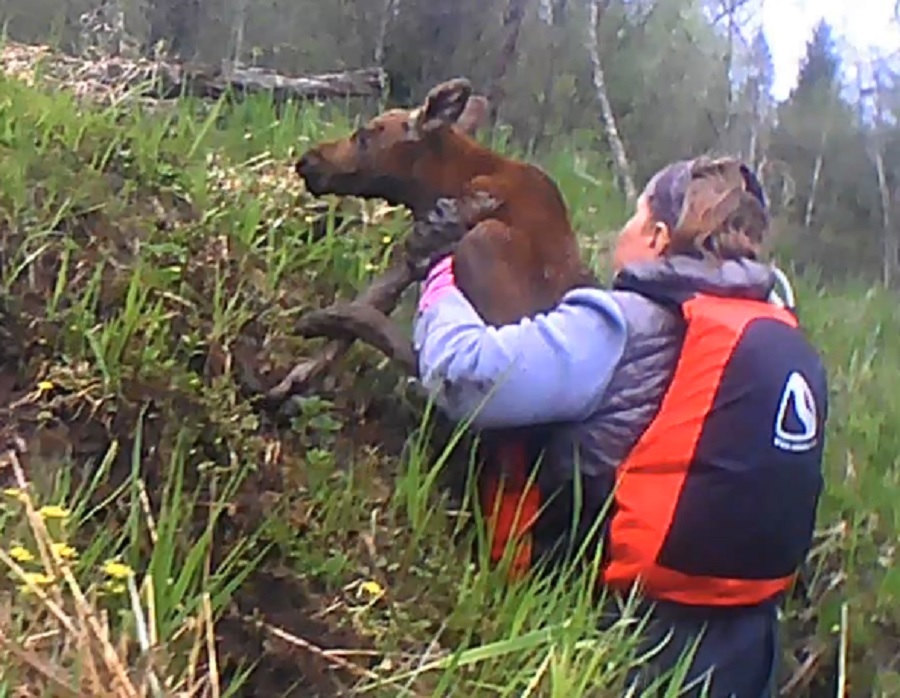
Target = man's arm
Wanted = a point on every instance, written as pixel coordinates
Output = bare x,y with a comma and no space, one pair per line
554,367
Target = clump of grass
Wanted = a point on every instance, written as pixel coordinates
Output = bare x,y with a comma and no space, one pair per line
84,622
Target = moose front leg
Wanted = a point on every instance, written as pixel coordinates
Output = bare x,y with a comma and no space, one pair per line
365,318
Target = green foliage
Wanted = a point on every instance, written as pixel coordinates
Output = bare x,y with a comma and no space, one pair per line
820,68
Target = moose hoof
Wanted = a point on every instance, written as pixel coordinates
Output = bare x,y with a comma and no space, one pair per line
295,381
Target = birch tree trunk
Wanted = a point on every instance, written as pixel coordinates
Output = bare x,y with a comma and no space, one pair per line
890,240
239,27
728,67
753,147
816,175
891,246
620,158
387,14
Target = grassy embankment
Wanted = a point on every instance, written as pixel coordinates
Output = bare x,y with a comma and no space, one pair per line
148,262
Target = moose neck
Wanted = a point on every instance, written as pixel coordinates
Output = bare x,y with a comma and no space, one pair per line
449,161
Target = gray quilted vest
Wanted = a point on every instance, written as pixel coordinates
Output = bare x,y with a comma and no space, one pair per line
595,447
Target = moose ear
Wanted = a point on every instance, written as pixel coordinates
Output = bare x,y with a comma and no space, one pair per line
444,105
475,115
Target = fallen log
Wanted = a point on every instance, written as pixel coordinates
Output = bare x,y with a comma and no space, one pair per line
111,77
175,80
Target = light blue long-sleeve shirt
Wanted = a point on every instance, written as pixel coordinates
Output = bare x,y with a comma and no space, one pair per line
551,368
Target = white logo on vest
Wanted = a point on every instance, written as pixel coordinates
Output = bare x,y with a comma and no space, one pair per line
796,426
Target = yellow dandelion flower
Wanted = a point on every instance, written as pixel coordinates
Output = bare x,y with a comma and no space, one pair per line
15,493
117,570
44,386
387,239
65,551
53,511
371,588
20,554
38,579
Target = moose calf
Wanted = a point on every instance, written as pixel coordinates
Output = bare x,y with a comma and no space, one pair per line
519,257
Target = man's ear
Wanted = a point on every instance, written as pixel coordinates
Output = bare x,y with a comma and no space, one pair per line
475,115
444,105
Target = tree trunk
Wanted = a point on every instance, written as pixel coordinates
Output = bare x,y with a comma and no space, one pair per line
891,246
557,11
512,26
728,67
387,13
239,27
817,173
177,22
620,158
753,147
117,16
728,10
890,240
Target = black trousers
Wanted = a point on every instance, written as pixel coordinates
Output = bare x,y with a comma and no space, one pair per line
736,657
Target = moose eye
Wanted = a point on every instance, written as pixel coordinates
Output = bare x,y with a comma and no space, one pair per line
361,138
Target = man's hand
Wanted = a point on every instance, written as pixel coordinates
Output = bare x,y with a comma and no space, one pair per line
444,226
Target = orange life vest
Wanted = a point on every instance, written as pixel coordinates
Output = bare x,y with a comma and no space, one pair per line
675,470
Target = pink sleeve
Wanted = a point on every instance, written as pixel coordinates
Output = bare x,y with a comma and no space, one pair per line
439,280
